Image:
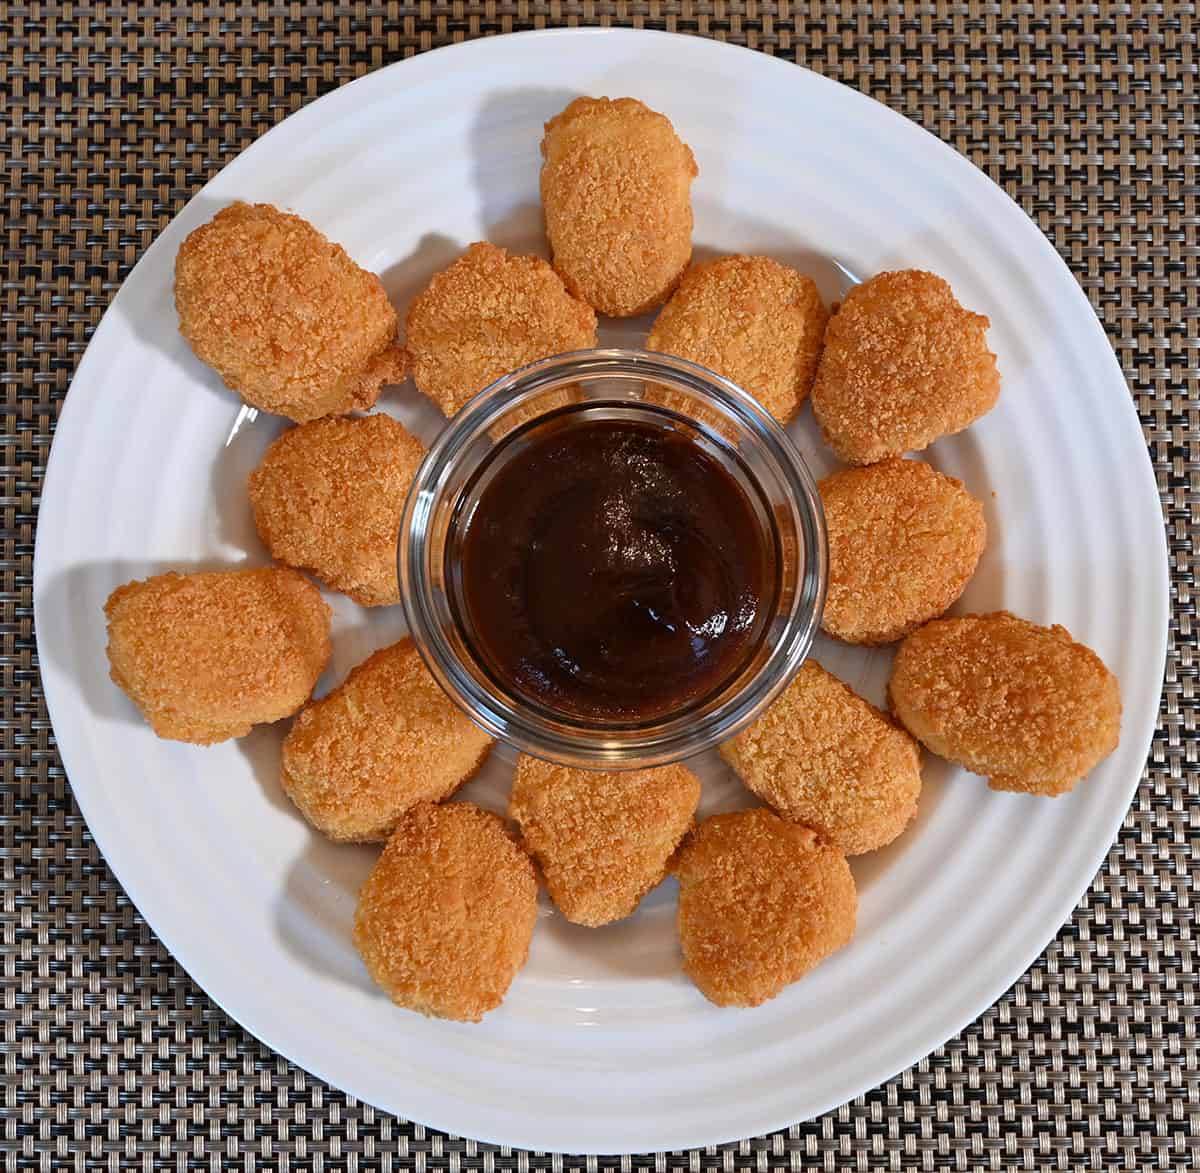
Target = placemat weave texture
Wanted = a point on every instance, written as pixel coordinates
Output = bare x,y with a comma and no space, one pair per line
112,116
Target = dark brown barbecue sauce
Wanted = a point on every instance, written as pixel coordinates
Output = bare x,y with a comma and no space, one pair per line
613,570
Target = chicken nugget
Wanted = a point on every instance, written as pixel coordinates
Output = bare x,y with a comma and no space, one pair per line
602,840
616,193
904,541
903,364
751,319
288,320
761,901
1024,705
444,920
489,313
328,497
822,756
384,740
206,656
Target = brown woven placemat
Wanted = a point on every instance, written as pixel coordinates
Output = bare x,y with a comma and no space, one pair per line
111,116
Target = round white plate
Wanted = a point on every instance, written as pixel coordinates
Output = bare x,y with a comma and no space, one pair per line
602,1045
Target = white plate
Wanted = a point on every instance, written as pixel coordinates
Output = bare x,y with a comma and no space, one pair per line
602,1045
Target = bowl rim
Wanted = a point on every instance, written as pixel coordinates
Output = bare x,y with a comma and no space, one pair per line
608,746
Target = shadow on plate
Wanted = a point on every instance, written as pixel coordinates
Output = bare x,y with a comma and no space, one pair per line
76,646
721,790
153,320
491,787
358,632
874,866
404,279
417,412
262,748
506,136
314,915
962,456
249,436
643,945
521,230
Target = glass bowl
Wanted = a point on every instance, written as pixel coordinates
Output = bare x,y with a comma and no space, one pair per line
649,388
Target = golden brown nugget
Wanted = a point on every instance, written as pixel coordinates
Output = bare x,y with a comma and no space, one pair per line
444,920
602,840
824,757
328,496
616,193
751,319
903,364
1024,705
288,320
384,740
489,313
904,541
761,901
207,656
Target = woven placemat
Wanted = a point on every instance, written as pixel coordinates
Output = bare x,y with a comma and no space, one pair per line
111,116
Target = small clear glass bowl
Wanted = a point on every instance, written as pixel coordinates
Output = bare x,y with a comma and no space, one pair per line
614,384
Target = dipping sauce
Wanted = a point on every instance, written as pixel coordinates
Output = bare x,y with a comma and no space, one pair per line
613,569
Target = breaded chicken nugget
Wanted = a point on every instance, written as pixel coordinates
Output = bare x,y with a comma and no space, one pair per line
761,901
384,740
1024,705
445,918
490,312
206,656
824,757
904,541
751,319
903,364
328,496
602,840
616,192
288,320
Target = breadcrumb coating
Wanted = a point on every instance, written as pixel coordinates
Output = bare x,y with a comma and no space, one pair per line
761,902
207,656
822,756
751,319
444,920
1024,705
288,320
328,496
487,314
903,364
602,840
904,541
616,193
386,739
